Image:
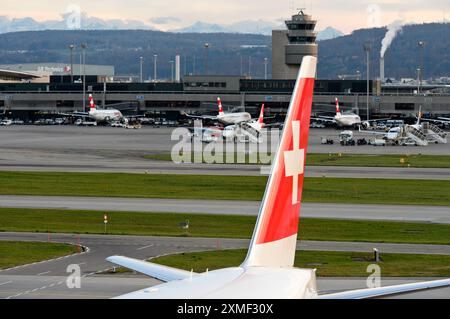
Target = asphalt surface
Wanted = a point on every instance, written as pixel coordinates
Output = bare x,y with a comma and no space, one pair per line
104,149
432,214
48,279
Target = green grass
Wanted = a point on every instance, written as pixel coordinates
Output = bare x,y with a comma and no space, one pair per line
422,161
319,190
154,224
328,264
20,253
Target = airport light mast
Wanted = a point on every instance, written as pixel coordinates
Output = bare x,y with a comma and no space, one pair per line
83,54
171,69
421,45
155,59
265,68
71,47
206,57
141,59
367,48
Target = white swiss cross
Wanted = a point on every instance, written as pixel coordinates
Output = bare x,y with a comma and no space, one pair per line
294,161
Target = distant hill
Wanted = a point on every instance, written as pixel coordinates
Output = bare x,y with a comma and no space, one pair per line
345,55
122,48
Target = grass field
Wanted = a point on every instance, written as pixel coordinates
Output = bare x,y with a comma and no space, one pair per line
321,190
153,224
20,253
328,264
422,161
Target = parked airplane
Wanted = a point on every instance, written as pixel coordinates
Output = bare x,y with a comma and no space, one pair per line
102,115
107,115
341,119
268,271
247,131
225,118
420,134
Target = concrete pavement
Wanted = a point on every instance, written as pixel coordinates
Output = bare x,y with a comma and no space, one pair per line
432,214
48,279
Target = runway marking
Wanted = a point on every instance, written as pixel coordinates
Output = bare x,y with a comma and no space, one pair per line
5,283
145,247
44,273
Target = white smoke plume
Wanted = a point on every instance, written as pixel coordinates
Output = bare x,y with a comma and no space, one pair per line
393,29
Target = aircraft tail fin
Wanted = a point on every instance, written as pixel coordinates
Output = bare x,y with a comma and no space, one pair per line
219,103
261,116
92,105
275,236
338,108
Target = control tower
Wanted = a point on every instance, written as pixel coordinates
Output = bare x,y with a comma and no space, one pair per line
291,45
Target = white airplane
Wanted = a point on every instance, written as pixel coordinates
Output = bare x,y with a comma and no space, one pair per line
99,115
341,119
252,127
268,271
225,118
420,134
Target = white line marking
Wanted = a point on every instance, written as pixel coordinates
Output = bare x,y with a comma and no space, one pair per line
5,283
44,273
145,247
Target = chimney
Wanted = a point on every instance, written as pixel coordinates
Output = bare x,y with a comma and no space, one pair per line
382,78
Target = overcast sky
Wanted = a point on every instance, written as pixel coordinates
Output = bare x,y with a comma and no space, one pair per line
345,15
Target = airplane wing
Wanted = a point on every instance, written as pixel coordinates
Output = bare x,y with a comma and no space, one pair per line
324,119
202,117
379,120
160,272
387,291
75,114
437,121
372,132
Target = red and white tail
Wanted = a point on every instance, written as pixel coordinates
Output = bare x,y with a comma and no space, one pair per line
338,109
275,237
261,116
219,103
91,102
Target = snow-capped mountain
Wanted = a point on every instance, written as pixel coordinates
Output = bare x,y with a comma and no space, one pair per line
329,33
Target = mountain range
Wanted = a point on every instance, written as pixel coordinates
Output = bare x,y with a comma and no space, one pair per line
92,23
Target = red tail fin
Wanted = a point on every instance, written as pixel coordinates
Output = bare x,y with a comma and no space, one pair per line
338,109
275,237
261,116
91,102
219,103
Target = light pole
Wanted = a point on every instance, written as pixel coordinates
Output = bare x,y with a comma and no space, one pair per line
193,64
249,66
171,67
71,47
418,81
155,59
83,50
421,45
367,48
265,68
206,58
142,69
